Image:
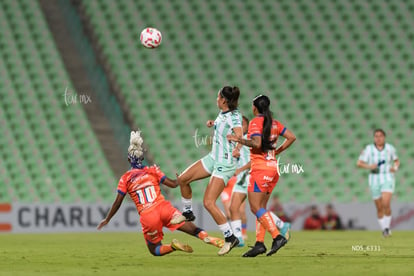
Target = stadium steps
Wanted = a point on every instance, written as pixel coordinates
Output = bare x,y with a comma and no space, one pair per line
86,91
48,151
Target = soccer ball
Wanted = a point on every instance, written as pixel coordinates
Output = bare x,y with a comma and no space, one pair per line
150,38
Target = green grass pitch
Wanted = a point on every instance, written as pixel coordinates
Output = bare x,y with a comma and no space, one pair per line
307,253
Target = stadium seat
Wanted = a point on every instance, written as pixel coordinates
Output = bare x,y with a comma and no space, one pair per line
42,133
331,78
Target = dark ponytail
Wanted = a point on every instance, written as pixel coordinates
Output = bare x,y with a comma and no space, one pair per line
231,95
262,104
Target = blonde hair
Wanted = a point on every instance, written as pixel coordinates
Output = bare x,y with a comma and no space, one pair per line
135,149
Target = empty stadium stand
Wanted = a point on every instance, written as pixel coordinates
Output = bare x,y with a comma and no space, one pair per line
48,151
334,70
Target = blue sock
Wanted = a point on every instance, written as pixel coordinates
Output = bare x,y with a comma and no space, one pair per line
157,250
261,212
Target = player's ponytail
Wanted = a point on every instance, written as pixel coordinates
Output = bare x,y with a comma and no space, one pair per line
135,150
262,104
231,95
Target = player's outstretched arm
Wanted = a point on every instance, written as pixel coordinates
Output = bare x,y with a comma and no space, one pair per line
115,206
238,132
172,183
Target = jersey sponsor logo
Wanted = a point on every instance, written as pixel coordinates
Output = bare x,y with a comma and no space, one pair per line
219,169
267,178
153,234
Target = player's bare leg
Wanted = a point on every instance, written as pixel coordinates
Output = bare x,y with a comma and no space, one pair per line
191,229
160,249
386,205
237,200
258,202
194,172
380,214
212,193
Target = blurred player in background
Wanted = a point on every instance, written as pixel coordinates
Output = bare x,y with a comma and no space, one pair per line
219,164
143,186
381,159
225,196
239,193
263,133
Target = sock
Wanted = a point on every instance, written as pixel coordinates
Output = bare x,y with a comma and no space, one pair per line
226,229
266,220
236,226
387,221
200,233
187,204
381,223
260,232
161,250
279,223
244,229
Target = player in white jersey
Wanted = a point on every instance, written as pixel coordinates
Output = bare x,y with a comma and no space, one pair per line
220,164
382,161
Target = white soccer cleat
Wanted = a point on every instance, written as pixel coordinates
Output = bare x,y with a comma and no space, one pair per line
228,246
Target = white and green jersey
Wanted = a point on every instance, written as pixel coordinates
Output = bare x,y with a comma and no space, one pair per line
222,149
244,155
383,158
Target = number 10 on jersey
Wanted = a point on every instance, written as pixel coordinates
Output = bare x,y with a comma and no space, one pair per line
146,195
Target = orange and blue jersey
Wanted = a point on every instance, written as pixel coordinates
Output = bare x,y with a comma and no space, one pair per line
143,186
264,160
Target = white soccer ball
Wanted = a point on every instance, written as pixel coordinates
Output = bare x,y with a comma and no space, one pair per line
150,38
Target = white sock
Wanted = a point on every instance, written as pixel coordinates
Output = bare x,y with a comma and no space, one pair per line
236,226
226,229
382,223
187,204
279,223
387,221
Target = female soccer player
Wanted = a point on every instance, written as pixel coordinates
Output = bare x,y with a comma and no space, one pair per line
143,186
263,133
382,161
239,195
219,164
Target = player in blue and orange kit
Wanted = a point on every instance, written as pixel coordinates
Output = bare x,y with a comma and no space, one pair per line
262,137
143,186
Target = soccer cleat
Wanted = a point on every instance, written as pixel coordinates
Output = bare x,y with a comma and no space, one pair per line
177,219
386,233
176,245
228,246
217,242
241,242
189,215
285,230
257,249
277,243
